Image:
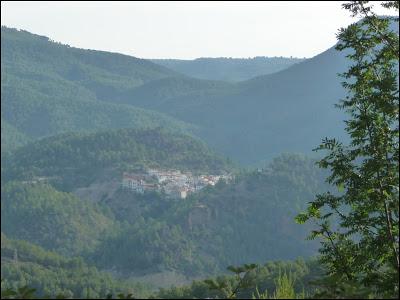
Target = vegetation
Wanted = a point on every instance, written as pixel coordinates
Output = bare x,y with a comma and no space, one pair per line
11,138
228,69
361,254
273,280
75,160
277,280
133,234
54,220
250,219
49,88
262,111
50,274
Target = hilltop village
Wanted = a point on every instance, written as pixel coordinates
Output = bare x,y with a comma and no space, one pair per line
174,183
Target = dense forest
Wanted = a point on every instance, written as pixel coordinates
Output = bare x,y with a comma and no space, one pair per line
228,69
53,274
43,94
133,233
92,90
75,160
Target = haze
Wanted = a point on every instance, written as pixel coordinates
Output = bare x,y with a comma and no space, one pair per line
184,30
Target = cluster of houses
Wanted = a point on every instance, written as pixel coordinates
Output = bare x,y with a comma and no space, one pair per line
173,183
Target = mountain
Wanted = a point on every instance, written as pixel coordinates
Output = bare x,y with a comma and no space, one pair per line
248,220
48,88
228,69
76,160
64,193
257,119
58,221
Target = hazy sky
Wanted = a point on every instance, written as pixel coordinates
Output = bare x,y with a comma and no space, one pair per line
184,29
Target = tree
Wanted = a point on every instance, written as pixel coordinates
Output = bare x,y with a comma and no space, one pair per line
359,226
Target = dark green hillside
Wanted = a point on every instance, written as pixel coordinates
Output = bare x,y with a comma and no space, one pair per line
155,93
252,220
23,263
49,88
248,220
248,121
38,109
55,220
288,111
77,159
228,69
11,138
27,54
269,114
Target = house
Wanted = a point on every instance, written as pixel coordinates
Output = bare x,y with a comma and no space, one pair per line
133,182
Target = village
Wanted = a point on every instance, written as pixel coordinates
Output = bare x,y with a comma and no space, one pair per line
174,183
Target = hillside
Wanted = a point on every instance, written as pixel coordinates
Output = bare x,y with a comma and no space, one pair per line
77,159
52,274
11,138
259,118
269,114
248,220
43,95
48,88
58,221
228,69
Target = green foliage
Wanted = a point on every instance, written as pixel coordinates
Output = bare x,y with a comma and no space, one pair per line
284,287
21,293
361,254
30,272
281,280
55,220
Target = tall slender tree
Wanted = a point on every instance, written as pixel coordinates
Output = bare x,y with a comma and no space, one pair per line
359,225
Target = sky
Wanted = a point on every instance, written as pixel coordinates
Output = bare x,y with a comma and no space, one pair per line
185,29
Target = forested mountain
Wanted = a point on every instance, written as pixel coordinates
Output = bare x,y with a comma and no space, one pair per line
268,114
67,187
228,69
48,88
43,94
248,219
52,274
78,159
